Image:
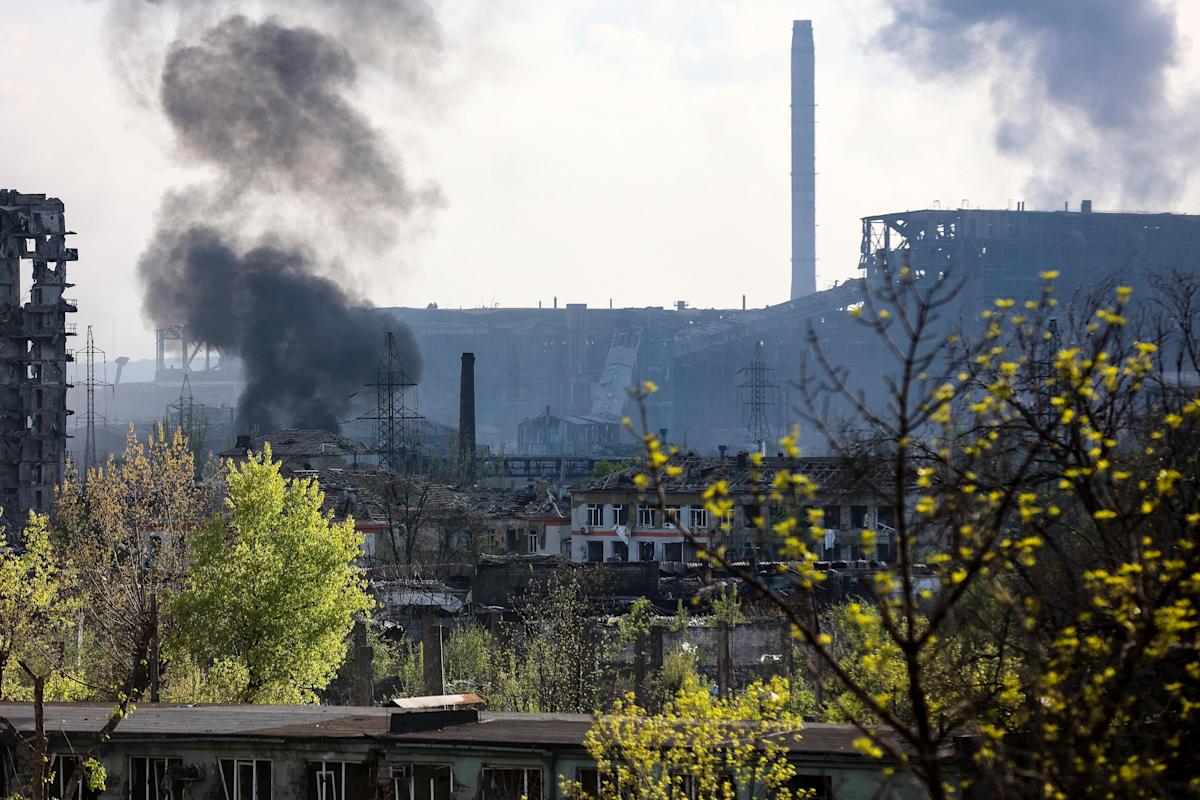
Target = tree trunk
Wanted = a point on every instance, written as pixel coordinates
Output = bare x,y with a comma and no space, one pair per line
155,664
37,787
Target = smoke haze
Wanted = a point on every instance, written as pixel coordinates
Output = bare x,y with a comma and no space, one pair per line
1080,90
298,171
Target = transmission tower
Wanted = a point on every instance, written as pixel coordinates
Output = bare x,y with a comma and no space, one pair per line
182,413
396,431
90,416
1046,374
758,396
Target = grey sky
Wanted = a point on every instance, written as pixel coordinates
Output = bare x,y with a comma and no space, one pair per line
635,150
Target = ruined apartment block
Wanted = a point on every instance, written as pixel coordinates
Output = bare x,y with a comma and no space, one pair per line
33,351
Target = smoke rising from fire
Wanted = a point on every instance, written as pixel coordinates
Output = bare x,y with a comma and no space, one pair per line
298,172
1079,90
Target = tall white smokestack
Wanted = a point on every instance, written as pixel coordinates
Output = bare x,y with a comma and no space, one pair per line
804,163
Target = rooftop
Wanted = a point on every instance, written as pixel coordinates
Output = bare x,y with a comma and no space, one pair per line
832,475
497,729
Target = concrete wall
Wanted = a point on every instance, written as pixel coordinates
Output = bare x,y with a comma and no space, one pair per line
497,582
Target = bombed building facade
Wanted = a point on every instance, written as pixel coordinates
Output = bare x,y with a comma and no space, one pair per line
33,350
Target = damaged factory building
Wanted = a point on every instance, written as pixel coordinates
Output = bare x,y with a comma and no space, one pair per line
551,380
33,351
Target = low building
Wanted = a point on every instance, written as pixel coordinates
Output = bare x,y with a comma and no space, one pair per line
576,434
612,519
369,753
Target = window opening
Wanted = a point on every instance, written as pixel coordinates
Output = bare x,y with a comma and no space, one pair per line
150,778
248,779
511,783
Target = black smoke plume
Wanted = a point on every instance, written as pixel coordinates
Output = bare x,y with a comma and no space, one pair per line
1079,89
302,341
297,170
265,103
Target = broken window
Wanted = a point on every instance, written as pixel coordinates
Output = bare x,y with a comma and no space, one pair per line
620,551
887,518
511,783
646,551
885,548
699,520
595,551
832,518
422,782
818,787
594,515
338,780
687,787
61,768
510,540
589,783
858,517
672,517
150,779
246,779
645,517
620,515
673,551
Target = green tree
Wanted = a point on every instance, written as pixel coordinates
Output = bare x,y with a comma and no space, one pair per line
603,468
699,745
551,661
1044,595
272,588
124,532
35,608
467,657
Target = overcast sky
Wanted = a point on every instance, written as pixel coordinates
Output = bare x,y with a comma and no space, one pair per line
632,150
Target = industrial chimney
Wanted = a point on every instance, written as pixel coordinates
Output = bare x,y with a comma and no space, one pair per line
804,163
466,418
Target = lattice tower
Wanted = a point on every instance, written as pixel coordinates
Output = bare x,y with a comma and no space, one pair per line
397,433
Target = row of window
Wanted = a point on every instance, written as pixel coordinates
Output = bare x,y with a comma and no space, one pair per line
596,551
650,516
647,516
688,787
645,551
251,779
